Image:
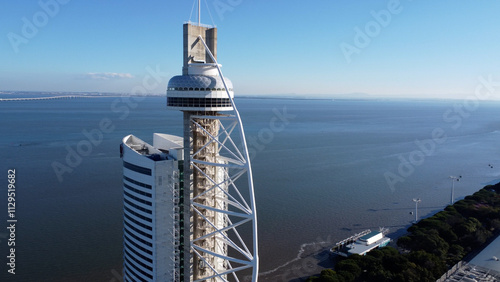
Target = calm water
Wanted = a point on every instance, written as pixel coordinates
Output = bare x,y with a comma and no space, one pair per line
319,172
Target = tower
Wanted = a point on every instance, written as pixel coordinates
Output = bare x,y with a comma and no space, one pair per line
189,204
213,207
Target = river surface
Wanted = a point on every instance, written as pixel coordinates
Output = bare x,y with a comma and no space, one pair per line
323,170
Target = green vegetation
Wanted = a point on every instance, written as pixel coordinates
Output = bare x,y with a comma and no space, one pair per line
431,246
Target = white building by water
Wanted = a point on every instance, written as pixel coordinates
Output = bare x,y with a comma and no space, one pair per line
151,181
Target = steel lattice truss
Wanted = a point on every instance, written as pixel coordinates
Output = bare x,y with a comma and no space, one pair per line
225,209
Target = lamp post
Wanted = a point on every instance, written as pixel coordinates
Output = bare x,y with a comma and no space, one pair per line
416,208
453,179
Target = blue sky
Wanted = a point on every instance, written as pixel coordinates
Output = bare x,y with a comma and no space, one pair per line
381,47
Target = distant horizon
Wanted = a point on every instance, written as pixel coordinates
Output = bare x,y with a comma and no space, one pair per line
388,48
347,96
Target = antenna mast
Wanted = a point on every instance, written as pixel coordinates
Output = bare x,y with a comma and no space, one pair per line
199,12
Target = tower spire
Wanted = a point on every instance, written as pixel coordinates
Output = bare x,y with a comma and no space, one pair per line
214,208
199,12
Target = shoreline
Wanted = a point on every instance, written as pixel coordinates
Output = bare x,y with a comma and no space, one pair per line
453,235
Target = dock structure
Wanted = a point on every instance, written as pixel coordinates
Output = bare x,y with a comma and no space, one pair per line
41,98
352,239
361,243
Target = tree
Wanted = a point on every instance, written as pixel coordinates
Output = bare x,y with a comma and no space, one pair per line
329,275
350,266
455,254
429,263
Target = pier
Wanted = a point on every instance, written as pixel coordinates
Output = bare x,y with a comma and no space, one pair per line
361,243
41,98
352,238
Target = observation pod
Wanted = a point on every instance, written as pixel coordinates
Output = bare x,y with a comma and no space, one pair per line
216,204
201,90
